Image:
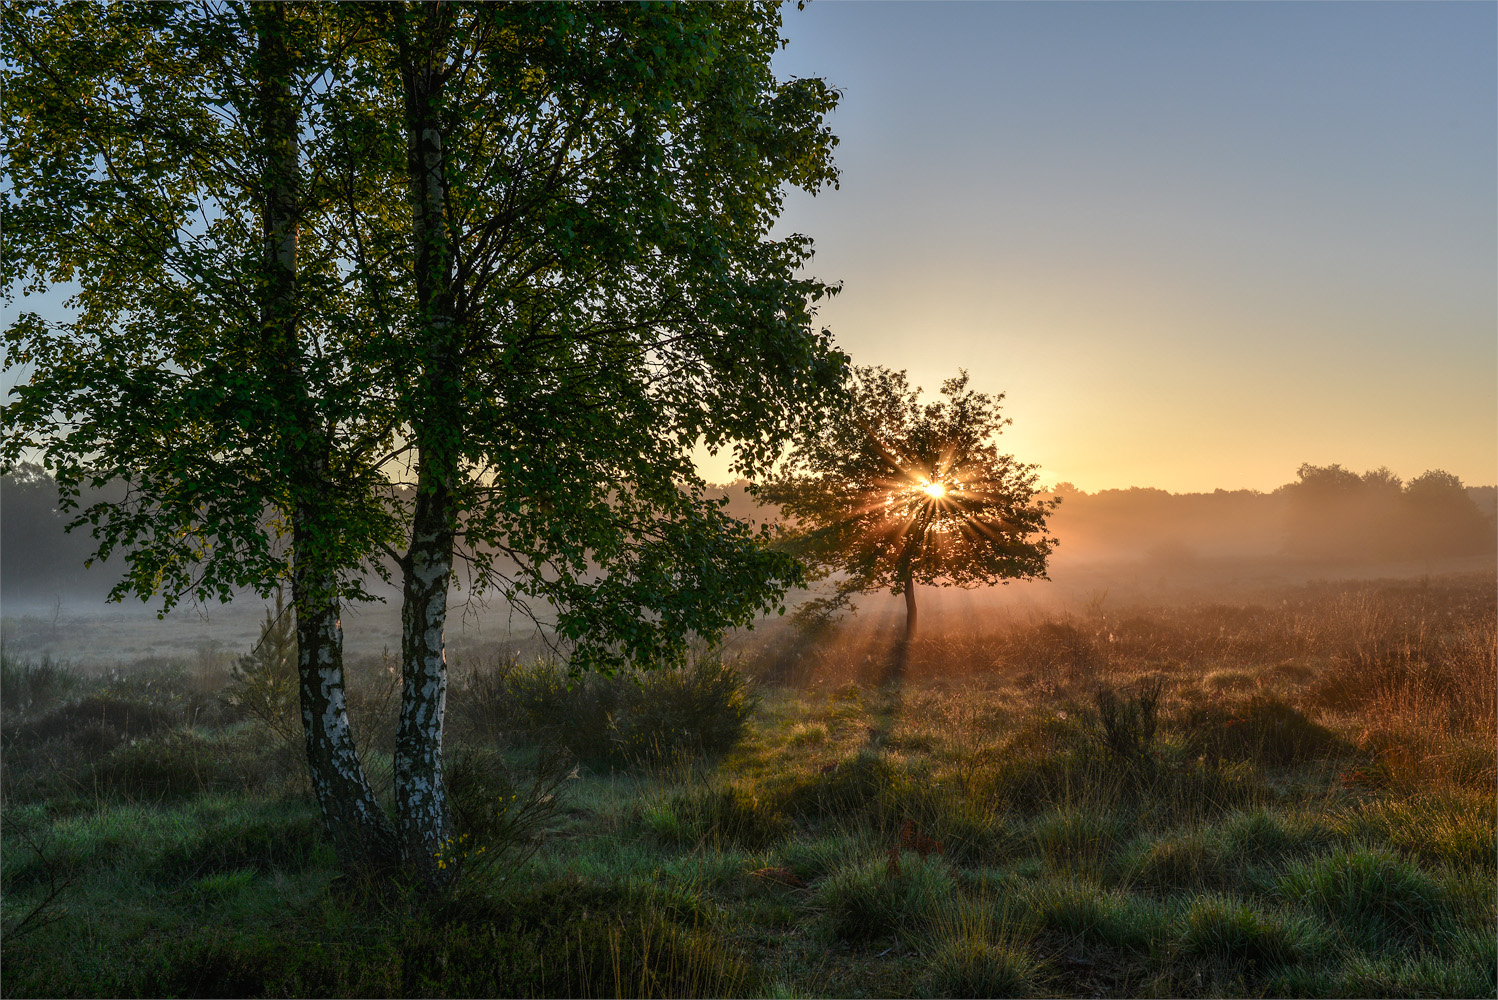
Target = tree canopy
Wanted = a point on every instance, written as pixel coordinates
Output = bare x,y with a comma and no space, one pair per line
894,492
1335,513
426,285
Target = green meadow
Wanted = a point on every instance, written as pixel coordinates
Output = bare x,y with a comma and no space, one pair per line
1293,798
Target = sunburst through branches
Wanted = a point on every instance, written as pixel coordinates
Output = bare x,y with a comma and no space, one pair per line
895,492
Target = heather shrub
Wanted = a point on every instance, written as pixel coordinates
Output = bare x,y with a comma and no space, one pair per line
1263,731
180,763
650,717
25,685
501,808
100,720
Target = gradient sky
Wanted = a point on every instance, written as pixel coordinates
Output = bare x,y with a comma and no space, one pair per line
1196,244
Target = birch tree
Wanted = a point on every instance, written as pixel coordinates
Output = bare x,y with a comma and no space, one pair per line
513,257
210,361
591,189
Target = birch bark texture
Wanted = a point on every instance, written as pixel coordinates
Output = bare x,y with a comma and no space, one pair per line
159,161
440,287
352,817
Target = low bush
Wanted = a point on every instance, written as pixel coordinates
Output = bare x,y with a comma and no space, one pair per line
808,734
1063,762
99,721
599,954
651,717
1263,731
191,694
26,685
500,808
1445,673
1126,725
182,762
210,963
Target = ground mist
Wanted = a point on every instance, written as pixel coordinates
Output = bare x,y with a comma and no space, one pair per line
1290,797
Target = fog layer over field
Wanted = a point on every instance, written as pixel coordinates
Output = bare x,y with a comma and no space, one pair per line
1117,548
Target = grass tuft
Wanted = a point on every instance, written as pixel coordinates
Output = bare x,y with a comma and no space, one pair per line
1225,930
870,900
1372,895
976,968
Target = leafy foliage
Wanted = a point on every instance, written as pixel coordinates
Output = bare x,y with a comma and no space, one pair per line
138,170
596,292
499,808
517,257
893,493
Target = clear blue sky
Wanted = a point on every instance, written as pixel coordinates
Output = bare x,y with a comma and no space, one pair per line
1197,244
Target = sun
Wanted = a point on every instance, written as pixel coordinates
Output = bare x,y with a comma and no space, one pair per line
935,490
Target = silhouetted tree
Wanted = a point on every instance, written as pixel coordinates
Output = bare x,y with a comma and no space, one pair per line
1336,514
1443,519
894,493
1333,513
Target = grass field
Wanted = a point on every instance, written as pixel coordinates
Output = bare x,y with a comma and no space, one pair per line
1295,798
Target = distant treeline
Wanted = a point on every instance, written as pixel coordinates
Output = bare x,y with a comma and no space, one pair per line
1328,514
1336,513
